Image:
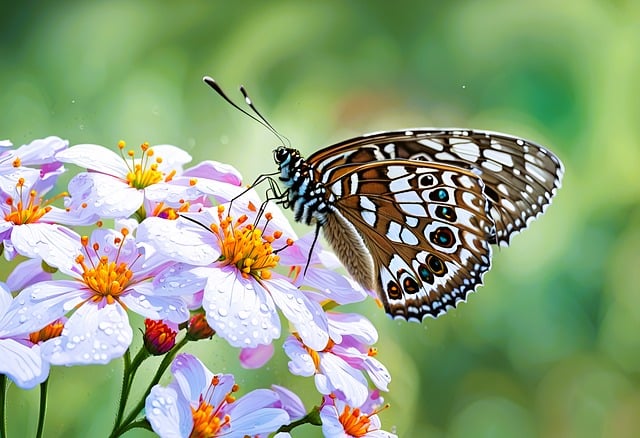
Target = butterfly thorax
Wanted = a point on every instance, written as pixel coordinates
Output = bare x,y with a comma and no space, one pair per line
307,197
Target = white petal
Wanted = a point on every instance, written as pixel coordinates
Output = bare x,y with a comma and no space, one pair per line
172,157
10,176
92,156
169,415
92,335
156,307
239,310
55,244
306,315
103,195
260,421
354,325
178,240
378,373
178,279
331,426
41,151
39,305
301,363
191,376
22,364
344,378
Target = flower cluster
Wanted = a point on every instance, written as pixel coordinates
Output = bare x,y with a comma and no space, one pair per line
193,252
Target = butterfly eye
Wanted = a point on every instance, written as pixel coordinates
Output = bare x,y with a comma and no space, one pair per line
280,155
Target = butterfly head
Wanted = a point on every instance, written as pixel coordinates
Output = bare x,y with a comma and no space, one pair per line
283,155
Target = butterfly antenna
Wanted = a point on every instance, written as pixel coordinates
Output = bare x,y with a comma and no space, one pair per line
260,119
250,104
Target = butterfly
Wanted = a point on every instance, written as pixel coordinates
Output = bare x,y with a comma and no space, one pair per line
413,214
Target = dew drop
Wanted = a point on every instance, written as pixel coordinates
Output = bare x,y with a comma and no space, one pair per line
223,312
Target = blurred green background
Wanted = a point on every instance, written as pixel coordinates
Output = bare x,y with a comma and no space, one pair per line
550,346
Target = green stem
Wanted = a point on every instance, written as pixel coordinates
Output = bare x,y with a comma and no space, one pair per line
3,406
130,370
142,424
313,417
44,386
166,361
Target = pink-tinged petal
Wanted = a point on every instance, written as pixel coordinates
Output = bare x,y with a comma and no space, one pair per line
5,144
306,315
331,426
41,151
221,191
169,418
333,286
92,335
172,157
5,299
301,363
290,402
239,309
378,373
10,176
344,378
252,358
256,399
27,273
102,195
58,246
216,171
40,304
351,324
261,421
63,216
22,364
178,240
173,194
191,377
98,158
155,307
108,241
179,280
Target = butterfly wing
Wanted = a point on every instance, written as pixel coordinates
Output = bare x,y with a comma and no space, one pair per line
519,176
416,232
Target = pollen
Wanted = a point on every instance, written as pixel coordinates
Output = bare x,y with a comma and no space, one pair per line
27,207
143,171
245,246
107,278
209,420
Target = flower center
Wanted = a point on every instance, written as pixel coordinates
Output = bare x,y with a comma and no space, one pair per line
245,246
354,423
209,420
29,208
107,278
315,355
143,172
50,331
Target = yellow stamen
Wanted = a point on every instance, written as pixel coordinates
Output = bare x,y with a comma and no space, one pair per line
355,423
142,173
108,279
208,420
244,246
29,208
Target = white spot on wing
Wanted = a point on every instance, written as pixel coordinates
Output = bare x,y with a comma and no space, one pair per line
431,144
501,157
465,149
